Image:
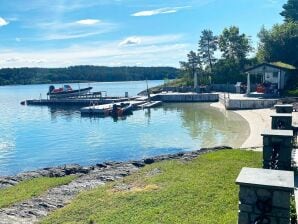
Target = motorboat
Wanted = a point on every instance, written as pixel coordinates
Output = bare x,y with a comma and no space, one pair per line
66,91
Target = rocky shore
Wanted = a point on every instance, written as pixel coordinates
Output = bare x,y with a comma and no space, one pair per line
89,177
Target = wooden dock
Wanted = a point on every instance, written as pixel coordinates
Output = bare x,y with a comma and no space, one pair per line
150,104
74,102
105,108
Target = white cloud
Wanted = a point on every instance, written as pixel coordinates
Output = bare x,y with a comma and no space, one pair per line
88,21
101,53
131,41
166,10
3,22
66,36
150,40
73,30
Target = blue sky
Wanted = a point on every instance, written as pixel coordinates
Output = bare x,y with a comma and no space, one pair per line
59,33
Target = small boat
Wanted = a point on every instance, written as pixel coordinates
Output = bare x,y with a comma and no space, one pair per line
113,109
121,110
66,91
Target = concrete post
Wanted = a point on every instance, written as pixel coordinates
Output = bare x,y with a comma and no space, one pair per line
284,108
279,82
264,195
248,84
277,149
195,80
281,121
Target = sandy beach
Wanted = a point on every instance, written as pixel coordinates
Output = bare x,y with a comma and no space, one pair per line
258,120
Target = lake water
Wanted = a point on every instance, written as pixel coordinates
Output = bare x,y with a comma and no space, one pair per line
33,137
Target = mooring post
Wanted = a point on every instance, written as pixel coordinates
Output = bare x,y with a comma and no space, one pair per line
277,149
264,195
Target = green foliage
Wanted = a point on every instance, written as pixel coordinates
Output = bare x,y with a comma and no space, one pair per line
207,47
293,213
228,71
290,11
279,44
30,188
84,74
233,45
191,66
200,191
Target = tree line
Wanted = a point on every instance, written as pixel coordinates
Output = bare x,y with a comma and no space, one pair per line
223,58
10,76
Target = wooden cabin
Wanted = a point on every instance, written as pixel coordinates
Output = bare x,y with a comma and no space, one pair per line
274,76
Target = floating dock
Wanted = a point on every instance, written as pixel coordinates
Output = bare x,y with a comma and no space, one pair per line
106,108
74,102
150,104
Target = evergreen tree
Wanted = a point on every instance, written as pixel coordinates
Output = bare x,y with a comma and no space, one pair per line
279,44
207,47
234,46
290,11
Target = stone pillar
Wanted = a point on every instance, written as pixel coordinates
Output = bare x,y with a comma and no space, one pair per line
264,196
248,84
277,149
284,108
281,121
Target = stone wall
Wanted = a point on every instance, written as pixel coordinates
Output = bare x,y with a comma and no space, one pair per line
187,97
257,204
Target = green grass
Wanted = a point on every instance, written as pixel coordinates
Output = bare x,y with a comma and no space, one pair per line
30,188
200,191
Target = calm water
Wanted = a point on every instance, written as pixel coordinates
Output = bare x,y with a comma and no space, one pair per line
33,137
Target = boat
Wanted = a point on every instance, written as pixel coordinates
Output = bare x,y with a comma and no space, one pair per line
113,109
66,91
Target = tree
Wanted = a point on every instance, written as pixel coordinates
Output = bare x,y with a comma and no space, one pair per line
290,11
192,65
279,44
234,46
207,47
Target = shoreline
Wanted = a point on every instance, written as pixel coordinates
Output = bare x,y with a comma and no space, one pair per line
34,209
73,169
258,120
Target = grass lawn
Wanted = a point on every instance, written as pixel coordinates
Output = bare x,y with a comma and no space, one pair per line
200,191
30,188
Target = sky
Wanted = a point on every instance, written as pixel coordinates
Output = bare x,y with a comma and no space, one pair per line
61,33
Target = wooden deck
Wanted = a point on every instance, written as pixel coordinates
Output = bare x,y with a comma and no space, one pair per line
74,102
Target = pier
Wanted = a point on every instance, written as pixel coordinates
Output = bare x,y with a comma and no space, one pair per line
75,101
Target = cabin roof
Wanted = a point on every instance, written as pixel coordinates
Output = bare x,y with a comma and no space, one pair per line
278,65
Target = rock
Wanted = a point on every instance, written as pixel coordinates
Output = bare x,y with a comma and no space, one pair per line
89,177
101,165
149,161
138,163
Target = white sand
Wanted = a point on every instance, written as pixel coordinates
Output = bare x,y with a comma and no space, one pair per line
258,120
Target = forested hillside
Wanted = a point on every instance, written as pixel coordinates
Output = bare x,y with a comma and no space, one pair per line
10,76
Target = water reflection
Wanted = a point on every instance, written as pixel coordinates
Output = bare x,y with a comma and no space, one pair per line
211,124
35,137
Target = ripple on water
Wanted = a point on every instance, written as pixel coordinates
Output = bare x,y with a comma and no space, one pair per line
35,137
